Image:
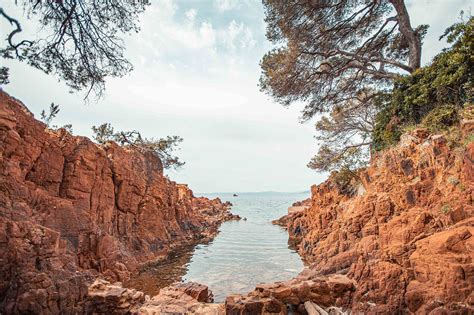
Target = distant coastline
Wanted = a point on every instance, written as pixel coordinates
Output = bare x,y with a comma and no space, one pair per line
254,193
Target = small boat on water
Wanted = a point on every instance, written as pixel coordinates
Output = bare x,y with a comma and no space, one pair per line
235,195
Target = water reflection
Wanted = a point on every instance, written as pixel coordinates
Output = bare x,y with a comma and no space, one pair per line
243,254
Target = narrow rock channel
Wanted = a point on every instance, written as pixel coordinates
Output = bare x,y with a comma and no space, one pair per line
243,254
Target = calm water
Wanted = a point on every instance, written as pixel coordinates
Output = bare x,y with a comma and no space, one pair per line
242,255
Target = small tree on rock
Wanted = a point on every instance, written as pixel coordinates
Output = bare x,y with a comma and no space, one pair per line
103,133
163,147
346,134
47,117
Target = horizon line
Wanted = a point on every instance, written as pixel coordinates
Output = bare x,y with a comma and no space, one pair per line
256,192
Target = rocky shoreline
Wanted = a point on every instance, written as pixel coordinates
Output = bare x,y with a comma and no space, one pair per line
72,211
405,238
392,247
78,219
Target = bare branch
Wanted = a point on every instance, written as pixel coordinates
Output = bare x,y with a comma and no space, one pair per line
17,30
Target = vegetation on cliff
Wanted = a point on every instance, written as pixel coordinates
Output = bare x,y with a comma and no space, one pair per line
81,43
163,147
405,237
432,96
336,58
436,97
358,64
72,210
401,227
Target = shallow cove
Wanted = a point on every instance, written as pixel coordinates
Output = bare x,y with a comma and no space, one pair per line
243,254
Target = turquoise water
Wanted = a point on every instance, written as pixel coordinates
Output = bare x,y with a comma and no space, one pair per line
243,254
249,252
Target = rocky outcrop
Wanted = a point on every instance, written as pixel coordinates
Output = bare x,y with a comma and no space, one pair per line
300,295
406,238
297,208
188,298
309,286
71,210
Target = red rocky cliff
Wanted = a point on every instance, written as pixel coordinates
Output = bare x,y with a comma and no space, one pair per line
406,238
71,210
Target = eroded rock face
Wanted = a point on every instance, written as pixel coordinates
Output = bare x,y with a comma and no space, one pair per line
71,210
38,274
106,298
275,298
406,239
187,298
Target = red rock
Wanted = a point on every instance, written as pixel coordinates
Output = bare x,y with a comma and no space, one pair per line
199,292
188,298
308,286
406,240
71,209
239,305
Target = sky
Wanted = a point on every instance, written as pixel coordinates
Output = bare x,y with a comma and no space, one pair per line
196,71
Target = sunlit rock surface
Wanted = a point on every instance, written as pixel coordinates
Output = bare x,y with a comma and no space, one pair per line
406,240
72,210
77,217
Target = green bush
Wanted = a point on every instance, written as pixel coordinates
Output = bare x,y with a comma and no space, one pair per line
441,118
346,181
436,91
468,112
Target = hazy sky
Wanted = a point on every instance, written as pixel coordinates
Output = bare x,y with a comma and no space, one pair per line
196,75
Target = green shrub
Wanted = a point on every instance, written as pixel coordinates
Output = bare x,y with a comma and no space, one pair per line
423,95
453,180
468,139
441,118
446,208
453,137
468,113
346,181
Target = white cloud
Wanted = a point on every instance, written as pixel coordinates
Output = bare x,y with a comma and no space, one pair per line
207,34
226,5
191,14
189,40
170,36
237,35
196,76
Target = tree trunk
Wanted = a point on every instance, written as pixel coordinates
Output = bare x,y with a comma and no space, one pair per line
414,42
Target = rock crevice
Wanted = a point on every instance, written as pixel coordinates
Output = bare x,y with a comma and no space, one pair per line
407,239
72,210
